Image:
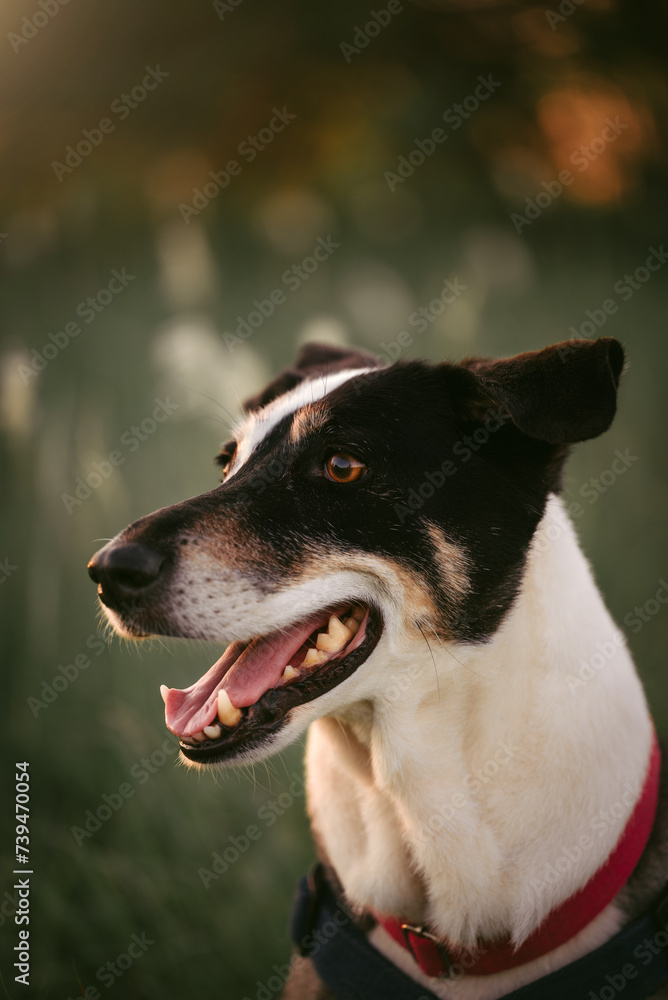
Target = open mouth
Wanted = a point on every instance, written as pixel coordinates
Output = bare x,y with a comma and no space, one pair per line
247,693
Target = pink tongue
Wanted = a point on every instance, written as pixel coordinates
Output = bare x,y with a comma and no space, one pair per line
245,672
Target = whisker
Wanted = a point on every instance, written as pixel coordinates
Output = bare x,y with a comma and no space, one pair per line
231,419
431,652
450,653
234,390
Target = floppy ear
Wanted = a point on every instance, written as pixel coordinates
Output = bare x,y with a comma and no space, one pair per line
312,360
562,394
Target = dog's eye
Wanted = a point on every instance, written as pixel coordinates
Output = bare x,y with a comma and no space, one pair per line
342,468
224,459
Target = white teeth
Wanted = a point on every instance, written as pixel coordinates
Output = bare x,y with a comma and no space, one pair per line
315,657
336,636
228,714
332,641
164,691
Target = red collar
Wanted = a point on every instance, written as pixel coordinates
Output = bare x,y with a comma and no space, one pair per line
439,958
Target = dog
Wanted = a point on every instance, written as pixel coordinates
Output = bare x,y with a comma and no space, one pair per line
391,566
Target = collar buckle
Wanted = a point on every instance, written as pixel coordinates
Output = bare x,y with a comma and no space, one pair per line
425,935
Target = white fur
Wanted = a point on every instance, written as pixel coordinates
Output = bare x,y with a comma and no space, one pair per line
444,781
234,608
255,428
376,778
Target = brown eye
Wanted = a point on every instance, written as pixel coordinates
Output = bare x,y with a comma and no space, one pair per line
226,456
344,469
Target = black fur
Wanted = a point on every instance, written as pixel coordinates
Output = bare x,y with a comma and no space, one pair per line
473,449
313,361
502,430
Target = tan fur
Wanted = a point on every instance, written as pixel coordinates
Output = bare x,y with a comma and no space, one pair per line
452,561
412,604
308,420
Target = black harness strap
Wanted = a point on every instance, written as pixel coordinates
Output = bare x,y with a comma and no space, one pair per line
634,962
353,969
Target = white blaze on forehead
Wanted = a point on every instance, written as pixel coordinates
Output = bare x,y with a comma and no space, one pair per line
255,428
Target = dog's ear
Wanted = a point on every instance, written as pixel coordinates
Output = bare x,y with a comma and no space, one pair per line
317,358
313,360
562,394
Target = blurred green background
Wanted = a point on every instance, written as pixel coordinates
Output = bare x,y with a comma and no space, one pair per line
220,71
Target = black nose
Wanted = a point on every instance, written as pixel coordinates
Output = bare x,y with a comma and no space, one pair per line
124,571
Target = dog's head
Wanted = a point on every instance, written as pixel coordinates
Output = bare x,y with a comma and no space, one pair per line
362,508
